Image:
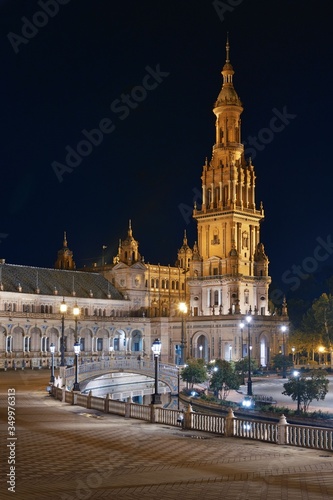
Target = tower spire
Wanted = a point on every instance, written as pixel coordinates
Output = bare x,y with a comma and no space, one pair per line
65,240
227,49
130,228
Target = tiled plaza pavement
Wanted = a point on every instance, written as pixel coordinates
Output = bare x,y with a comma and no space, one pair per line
66,452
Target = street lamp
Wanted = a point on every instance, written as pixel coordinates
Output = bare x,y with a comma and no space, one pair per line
63,310
183,309
200,349
283,329
293,351
52,349
76,386
156,348
76,312
297,376
249,380
242,352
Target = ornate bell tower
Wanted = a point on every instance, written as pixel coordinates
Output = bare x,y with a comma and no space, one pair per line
234,273
65,257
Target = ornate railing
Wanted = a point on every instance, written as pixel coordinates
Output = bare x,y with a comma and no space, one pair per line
230,426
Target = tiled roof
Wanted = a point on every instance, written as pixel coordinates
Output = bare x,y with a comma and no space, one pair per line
48,280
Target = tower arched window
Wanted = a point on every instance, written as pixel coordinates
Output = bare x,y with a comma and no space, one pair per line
216,298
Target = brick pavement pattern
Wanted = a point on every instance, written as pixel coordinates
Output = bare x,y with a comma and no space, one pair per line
66,452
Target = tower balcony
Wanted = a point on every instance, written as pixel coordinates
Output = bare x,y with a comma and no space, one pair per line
230,146
227,210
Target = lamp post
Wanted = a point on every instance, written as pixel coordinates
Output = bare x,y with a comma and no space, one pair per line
297,376
156,348
63,310
200,349
52,349
293,351
249,380
76,312
76,386
183,310
242,352
283,329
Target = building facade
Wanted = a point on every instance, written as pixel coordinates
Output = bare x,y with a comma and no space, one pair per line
125,305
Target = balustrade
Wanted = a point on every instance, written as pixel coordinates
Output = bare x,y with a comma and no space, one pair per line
231,426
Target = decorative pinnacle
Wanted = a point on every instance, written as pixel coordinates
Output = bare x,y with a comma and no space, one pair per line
227,49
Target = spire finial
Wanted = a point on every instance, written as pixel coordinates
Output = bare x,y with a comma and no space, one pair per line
185,238
130,228
227,49
65,239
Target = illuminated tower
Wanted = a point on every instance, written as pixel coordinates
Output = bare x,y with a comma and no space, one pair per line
233,275
65,257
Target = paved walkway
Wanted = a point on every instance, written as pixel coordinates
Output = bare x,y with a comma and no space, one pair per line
65,452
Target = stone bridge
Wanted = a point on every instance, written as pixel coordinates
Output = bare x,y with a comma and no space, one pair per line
168,374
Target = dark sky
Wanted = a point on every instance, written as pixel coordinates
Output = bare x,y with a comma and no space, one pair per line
64,76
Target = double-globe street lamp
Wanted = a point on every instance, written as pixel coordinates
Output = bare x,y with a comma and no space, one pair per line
63,310
156,348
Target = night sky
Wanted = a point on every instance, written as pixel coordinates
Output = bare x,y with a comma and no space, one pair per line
71,73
